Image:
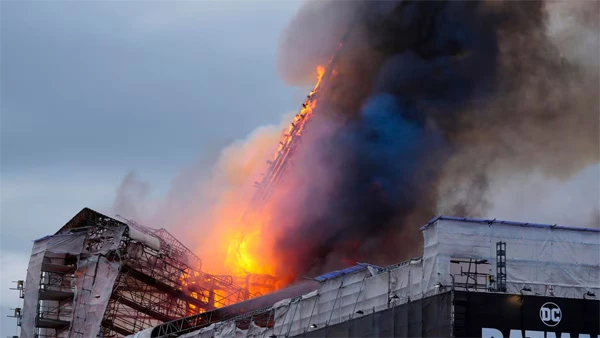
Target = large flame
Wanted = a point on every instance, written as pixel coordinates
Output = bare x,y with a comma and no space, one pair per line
248,241
241,239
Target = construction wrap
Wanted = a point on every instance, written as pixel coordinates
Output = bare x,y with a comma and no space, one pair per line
47,249
255,331
147,333
32,283
206,332
428,317
143,238
347,297
111,239
336,301
95,279
549,260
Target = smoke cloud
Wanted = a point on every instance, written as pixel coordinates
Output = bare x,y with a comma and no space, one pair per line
462,108
302,50
131,198
207,200
434,105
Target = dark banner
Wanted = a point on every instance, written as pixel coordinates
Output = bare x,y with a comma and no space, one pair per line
514,316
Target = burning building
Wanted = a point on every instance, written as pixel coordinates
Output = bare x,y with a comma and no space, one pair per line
99,276
423,109
405,101
475,278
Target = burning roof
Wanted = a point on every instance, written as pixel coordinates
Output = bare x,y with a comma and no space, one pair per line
452,245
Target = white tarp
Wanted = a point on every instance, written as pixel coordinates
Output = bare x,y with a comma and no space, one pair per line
255,331
538,256
226,330
143,334
111,239
95,279
32,284
339,299
206,332
335,301
143,238
55,246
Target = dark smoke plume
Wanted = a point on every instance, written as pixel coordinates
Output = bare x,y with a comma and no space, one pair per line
430,102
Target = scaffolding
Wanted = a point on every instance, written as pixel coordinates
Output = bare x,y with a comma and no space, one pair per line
501,266
470,274
102,276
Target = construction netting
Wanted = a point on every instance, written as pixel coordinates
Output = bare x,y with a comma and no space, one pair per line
542,259
338,300
94,286
362,303
69,284
47,250
427,317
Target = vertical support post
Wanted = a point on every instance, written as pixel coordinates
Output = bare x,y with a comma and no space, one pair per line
357,298
293,315
388,289
311,313
452,312
335,302
501,266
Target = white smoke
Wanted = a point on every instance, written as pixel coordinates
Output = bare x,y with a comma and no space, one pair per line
535,198
574,28
132,195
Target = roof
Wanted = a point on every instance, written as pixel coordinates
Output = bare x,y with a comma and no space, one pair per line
87,217
337,273
495,221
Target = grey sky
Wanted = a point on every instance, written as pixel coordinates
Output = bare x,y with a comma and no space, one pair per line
93,90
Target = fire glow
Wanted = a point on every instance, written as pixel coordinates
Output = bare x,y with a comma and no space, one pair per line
248,241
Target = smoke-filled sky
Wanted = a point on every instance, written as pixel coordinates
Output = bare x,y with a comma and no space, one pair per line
463,108
471,109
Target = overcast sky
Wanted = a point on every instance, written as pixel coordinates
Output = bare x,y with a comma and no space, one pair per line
91,91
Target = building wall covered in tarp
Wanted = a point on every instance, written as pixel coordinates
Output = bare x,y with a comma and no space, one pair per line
45,249
85,294
428,317
94,287
450,314
96,277
548,259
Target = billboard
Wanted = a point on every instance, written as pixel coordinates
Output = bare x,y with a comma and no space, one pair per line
522,316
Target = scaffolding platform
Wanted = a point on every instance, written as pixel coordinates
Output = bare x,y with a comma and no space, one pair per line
51,323
101,276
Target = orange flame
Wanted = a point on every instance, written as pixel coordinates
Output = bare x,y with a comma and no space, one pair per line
247,243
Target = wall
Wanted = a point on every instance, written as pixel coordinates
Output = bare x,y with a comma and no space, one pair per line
547,259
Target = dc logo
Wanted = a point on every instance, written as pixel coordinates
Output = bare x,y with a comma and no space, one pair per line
550,314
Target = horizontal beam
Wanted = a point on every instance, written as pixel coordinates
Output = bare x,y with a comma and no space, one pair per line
166,288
